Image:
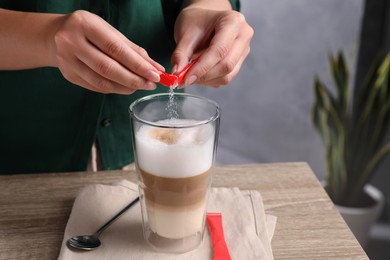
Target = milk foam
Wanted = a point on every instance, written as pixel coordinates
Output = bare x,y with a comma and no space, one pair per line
175,153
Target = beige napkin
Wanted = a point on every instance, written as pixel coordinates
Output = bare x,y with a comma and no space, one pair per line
248,231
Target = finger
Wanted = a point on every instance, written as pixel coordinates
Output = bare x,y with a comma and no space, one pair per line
115,45
219,48
82,73
118,90
109,68
105,85
225,79
230,63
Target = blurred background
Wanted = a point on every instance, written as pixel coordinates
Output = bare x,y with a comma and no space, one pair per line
266,109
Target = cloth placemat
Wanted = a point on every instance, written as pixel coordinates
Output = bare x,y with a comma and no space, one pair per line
248,230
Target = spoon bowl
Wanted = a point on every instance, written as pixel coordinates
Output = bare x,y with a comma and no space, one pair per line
85,242
90,242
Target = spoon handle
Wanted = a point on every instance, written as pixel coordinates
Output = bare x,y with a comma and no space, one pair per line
120,213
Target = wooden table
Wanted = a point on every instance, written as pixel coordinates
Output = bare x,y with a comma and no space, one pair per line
34,210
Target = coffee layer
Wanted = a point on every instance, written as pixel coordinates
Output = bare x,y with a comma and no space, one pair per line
175,192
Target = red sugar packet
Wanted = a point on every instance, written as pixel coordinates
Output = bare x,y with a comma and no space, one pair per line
221,251
172,79
168,79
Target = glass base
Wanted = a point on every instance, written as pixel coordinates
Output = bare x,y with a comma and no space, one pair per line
176,246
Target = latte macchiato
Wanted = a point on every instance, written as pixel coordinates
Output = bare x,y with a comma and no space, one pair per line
174,142
175,167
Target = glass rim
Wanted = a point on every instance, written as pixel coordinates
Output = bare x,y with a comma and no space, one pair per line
214,117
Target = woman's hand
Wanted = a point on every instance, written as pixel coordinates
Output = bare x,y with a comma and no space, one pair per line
91,53
221,37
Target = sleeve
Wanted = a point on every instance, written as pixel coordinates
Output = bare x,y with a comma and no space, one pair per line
235,4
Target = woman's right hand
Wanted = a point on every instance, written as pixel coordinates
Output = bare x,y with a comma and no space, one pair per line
91,53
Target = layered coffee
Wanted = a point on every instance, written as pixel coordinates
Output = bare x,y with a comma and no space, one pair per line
174,165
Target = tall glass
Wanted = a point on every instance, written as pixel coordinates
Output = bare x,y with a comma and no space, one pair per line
174,141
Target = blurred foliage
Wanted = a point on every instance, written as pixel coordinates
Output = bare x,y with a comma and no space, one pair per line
353,130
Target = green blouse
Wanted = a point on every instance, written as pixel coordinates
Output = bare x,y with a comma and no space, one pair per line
48,124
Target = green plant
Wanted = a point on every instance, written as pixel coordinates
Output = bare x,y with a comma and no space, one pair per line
353,130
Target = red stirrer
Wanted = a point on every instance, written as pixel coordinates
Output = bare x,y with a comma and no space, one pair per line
221,251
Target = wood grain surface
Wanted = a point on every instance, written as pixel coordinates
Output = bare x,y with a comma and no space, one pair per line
34,209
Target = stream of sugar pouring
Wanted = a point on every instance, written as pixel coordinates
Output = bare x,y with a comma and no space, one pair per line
171,106
173,81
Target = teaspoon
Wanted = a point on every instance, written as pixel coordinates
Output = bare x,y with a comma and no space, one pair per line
90,242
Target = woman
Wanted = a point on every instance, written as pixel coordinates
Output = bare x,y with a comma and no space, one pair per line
70,69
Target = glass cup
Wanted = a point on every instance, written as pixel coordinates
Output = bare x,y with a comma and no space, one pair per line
174,141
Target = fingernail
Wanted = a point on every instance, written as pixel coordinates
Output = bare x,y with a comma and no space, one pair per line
152,76
191,80
150,85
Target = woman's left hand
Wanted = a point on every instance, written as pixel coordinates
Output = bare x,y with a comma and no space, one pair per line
222,38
